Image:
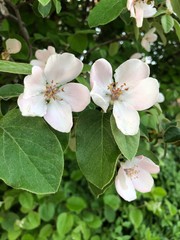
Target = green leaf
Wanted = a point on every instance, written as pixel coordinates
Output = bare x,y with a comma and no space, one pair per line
159,30
128,145
26,200
177,28
135,216
46,211
97,152
64,223
176,7
167,23
31,221
97,191
46,231
105,11
172,134
78,42
113,49
44,10
44,2
112,201
10,90
76,204
14,67
57,5
31,157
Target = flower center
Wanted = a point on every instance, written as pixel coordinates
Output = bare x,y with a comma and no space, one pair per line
116,91
132,172
51,91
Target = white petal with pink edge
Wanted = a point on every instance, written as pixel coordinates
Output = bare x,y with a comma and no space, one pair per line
147,164
124,186
76,95
101,73
62,68
139,13
142,181
59,116
144,95
131,72
44,54
33,106
126,117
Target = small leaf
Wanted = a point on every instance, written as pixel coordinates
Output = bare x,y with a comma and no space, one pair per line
64,223
105,11
10,90
112,201
113,49
46,211
167,23
177,28
136,216
97,152
172,134
26,200
128,145
44,10
159,30
57,5
31,156
76,204
14,67
31,221
44,2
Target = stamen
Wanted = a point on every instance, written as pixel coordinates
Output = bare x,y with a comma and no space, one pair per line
116,91
132,172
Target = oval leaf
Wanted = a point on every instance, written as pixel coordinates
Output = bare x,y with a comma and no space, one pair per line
167,23
31,156
10,90
13,67
128,145
105,11
97,151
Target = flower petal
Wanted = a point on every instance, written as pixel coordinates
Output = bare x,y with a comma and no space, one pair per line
34,84
62,68
146,44
33,106
101,73
59,116
139,13
44,54
127,118
144,95
76,95
13,45
101,97
131,72
147,164
124,186
149,10
143,182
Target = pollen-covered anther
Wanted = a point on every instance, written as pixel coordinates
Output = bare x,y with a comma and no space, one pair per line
132,172
116,91
51,91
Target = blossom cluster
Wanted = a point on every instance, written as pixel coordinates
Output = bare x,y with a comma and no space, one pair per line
49,93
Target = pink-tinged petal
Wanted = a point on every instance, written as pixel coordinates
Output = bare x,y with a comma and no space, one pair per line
161,98
144,95
33,106
101,97
59,116
127,118
142,181
35,83
38,63
146,44
139,11
136,56
147,164
129,4
124,186
131,72
76,95
149,10
44,54
13,45
62,68
101,73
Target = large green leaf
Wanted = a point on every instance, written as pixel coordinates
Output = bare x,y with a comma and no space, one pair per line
128,145
13,67
97,151
31,156
172,134
176,7
10,90
105,11
167,23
